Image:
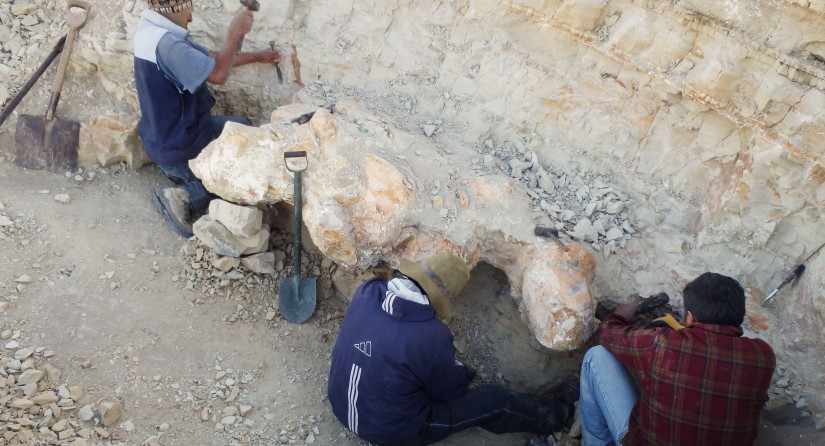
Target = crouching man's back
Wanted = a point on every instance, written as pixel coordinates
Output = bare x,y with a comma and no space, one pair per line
391,356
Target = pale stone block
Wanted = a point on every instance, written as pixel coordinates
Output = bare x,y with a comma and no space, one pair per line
215,235
109,140
263,263
243,221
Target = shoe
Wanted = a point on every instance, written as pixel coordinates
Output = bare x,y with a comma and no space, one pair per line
566,393
173,205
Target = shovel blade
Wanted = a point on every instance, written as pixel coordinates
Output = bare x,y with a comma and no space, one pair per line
296,300
40,143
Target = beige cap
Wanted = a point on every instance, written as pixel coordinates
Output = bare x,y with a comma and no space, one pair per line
442,275
169,6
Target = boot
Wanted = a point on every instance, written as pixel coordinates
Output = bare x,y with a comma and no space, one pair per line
565,396
173,204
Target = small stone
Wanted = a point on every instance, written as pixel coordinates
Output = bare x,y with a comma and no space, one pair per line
205,414
110,412
230,411
45,398
219,427
29,390
615,207
63,198
75,392
127,425
86,413
103,433
163,427
60,425
23,353
5,334
228,421
614,234
429,129
22,403
32,376
245,410
25,278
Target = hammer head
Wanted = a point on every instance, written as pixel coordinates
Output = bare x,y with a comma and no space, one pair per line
251,5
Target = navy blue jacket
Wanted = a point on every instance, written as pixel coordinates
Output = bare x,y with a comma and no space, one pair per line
175,120
392,358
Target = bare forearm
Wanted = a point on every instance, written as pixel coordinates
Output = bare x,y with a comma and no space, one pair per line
246,58
224,61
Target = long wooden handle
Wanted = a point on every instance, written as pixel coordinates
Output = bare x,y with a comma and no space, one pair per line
75,22
61,73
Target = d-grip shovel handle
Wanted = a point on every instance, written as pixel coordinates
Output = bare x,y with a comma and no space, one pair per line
74,22
295,154
296,224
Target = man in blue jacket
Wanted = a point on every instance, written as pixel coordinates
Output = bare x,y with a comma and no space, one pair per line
394,379
171,72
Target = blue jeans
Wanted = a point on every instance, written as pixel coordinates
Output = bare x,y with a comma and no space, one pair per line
493,408
199,197
608,394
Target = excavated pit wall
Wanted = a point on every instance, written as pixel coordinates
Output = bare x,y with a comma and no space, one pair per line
709,114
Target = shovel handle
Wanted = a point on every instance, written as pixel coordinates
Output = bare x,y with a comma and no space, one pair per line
296,224
295,154
75,22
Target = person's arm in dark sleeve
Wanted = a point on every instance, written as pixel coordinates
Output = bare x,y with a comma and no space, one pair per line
445,378
632,346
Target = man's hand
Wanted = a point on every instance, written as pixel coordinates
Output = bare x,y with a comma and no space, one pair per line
627,312
241,25
267,56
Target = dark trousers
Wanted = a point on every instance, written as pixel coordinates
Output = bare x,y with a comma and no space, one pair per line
492,408
199,197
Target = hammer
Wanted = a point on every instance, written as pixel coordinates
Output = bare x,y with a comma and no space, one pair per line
251,5
551,233
277,65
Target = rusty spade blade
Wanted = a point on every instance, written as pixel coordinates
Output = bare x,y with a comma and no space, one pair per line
49,142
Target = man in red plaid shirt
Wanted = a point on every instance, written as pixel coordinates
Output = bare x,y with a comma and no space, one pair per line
704,384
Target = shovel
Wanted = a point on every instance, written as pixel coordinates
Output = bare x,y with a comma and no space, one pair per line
49,142
296,295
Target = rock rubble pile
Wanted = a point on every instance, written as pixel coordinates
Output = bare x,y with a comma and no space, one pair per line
584,206
38,407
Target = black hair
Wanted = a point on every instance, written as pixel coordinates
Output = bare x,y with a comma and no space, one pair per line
715,299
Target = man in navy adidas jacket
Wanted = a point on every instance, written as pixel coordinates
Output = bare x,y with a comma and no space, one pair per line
394,380
171,73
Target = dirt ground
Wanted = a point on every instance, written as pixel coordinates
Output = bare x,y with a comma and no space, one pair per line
105,296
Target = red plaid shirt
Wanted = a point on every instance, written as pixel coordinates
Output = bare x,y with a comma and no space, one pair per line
703,385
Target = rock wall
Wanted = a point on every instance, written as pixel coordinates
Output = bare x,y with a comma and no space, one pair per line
709,114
